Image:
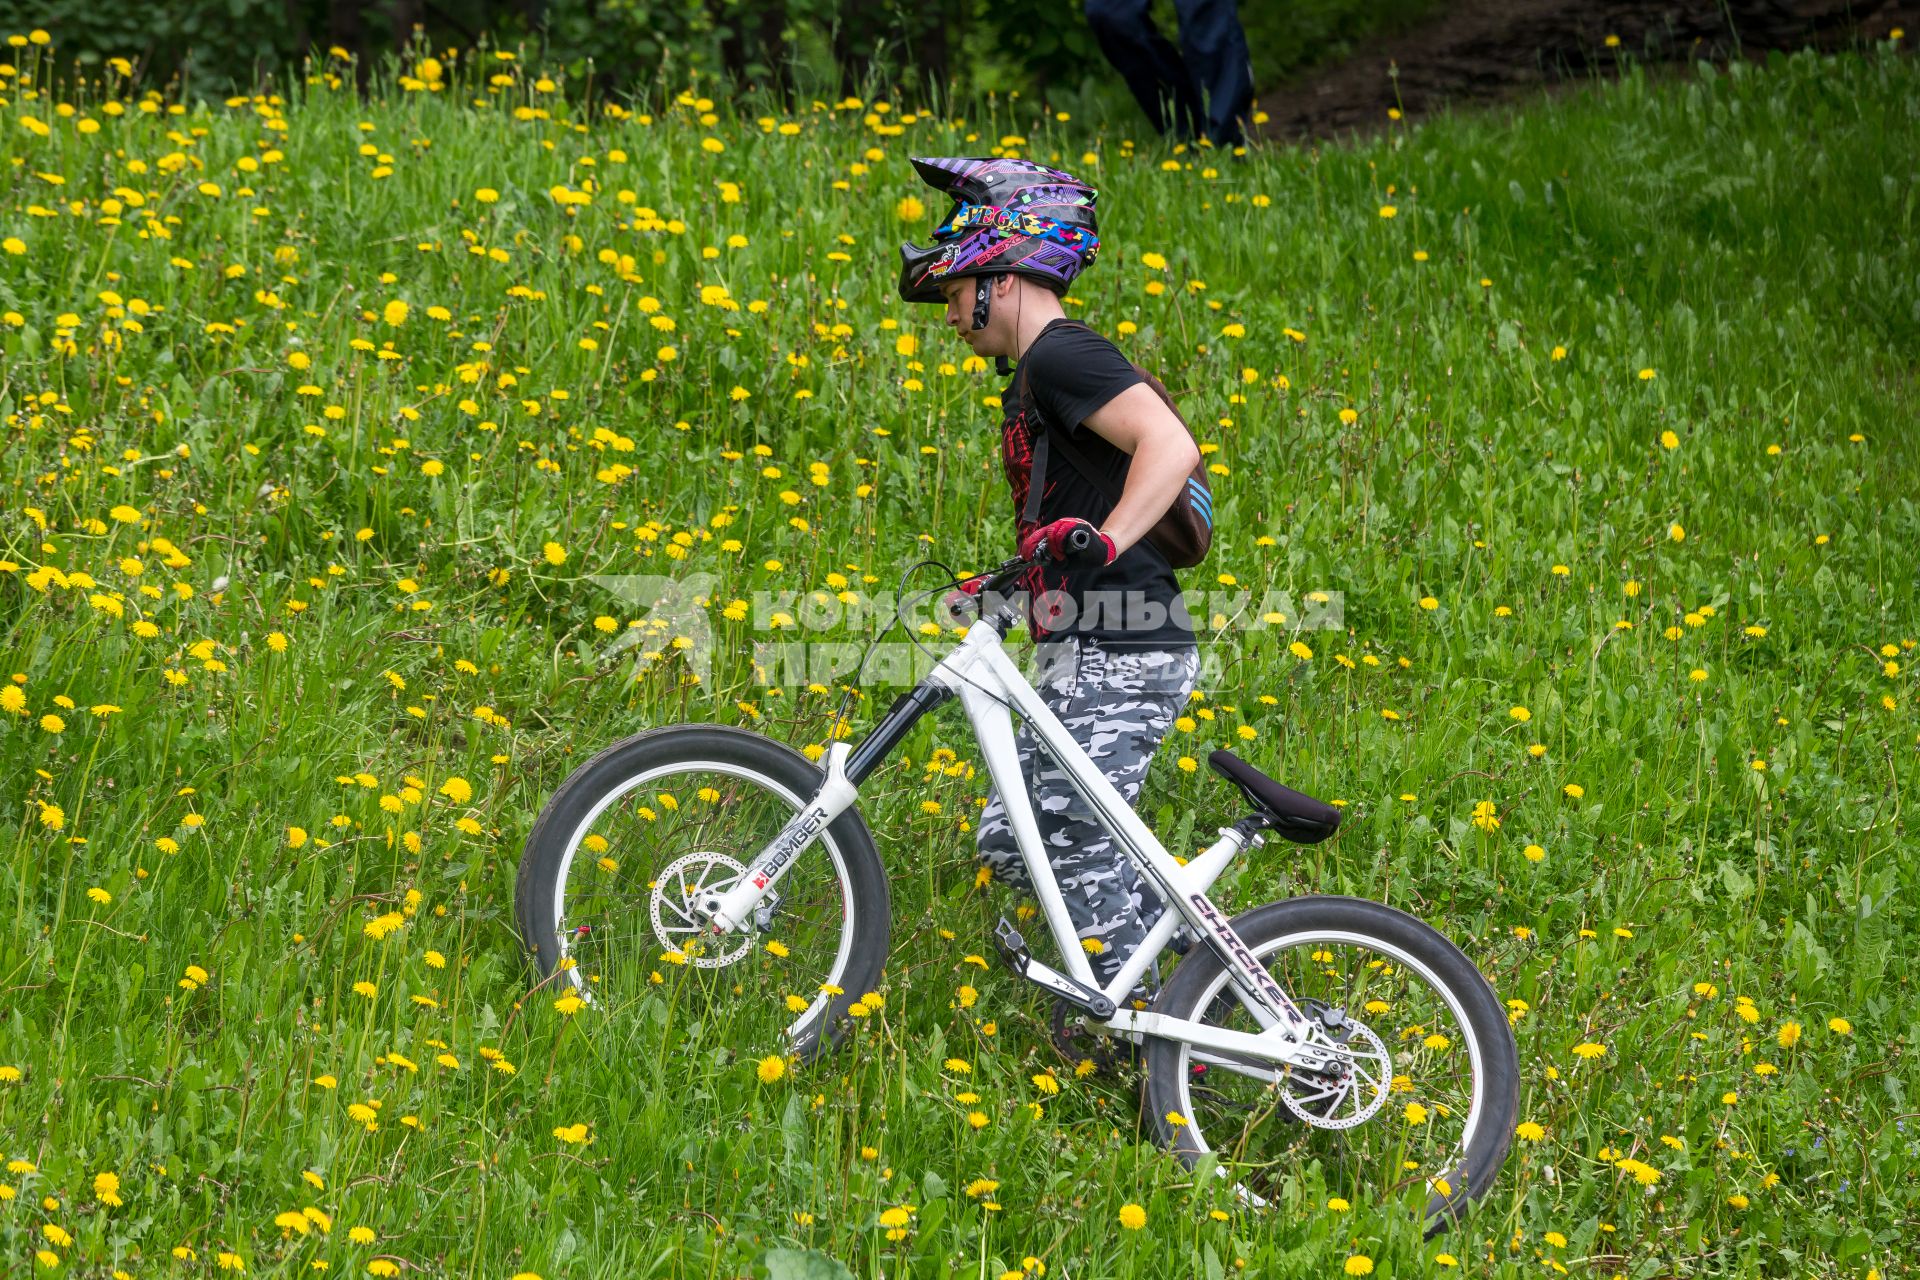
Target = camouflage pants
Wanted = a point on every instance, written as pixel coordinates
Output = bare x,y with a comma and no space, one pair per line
1117,704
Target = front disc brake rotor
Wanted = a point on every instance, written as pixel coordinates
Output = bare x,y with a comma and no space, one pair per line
681,884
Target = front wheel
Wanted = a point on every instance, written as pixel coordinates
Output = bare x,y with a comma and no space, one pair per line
635,835
1432,1087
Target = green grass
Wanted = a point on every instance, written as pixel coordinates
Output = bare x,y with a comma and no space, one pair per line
1749,237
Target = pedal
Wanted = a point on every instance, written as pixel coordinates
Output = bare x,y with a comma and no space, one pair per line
1011,946
1013,950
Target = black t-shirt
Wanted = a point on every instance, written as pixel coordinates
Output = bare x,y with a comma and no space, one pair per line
1070,372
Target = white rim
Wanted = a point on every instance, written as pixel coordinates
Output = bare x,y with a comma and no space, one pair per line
1477,1057
850,923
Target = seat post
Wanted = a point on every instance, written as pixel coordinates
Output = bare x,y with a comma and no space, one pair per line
1252,829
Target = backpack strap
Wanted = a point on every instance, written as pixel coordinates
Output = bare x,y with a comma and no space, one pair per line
1037,476
1040,435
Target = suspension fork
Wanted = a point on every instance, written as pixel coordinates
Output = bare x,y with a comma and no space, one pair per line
847,768
729,910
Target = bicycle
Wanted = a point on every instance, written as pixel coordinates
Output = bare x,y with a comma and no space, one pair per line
1263,1037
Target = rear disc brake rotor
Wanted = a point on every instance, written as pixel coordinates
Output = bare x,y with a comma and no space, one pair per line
1353,1090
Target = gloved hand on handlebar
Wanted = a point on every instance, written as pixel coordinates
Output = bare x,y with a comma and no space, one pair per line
1069,541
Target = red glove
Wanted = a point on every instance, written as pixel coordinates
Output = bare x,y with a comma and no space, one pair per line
1099,551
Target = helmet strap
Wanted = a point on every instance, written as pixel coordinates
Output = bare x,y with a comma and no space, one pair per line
982,303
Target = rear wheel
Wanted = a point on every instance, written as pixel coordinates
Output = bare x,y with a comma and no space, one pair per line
632,838
1430,1087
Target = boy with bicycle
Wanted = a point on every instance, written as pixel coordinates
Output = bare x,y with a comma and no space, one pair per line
1116,653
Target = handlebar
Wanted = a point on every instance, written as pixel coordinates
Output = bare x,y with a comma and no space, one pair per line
1079,539
998,579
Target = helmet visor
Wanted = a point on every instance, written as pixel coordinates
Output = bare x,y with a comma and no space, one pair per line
922,268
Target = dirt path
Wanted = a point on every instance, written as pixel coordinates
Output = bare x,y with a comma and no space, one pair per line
1491,50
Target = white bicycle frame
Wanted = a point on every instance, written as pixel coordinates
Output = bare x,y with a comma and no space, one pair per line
988,683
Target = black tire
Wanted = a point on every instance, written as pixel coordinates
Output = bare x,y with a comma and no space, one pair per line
1270,931
783,780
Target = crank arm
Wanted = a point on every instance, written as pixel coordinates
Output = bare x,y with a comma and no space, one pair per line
1013,949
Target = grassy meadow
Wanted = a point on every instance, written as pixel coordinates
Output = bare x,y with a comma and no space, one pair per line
320,415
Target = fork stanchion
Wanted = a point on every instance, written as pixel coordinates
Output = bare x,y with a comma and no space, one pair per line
893,726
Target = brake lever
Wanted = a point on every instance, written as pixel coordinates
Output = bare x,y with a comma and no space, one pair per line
992,580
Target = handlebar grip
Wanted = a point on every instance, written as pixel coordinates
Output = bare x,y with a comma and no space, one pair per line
1079,540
